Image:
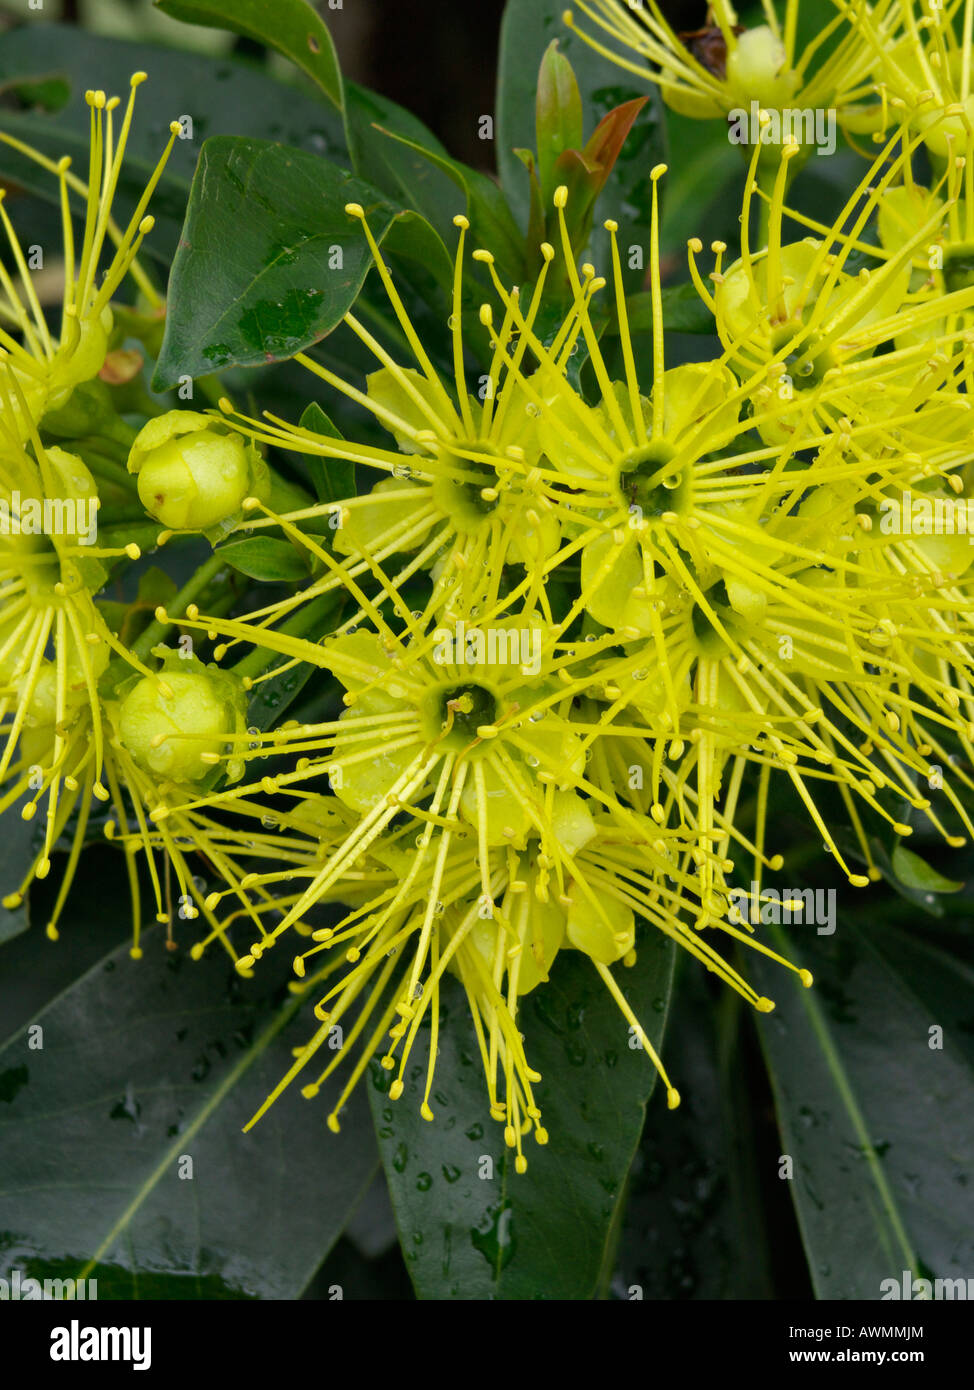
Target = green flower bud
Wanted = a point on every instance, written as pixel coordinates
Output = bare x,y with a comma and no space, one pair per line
179,724
193,471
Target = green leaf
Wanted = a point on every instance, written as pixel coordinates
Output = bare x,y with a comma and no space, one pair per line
917,873
546,1233
143,1063
298,259
405,176
333,479
696,1197
876,1115
528,28
265,558
290,26
923,898
223,96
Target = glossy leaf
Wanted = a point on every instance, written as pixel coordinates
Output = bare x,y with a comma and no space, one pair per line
486,206
469,1225
406,176
290,26
696,1224
873,1074
297,265
146,1064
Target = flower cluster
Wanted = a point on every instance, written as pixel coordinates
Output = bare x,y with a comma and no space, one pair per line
577,626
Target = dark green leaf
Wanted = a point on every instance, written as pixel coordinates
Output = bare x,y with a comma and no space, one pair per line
298,258
265,558
875,1108
290,26
696,1199
143,1063
405,176
472,1229
486,206
333,479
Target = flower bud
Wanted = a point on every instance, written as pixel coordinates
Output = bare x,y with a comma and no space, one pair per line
193,471
176,723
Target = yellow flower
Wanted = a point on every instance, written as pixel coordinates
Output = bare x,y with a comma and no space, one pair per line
49,366
725,67
464,468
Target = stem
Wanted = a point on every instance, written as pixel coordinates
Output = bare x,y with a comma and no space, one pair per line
156,631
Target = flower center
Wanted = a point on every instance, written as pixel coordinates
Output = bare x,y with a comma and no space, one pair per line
460,488
456,712
647,486
808,365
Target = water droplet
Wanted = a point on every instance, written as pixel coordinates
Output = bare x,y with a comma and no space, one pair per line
495,1237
